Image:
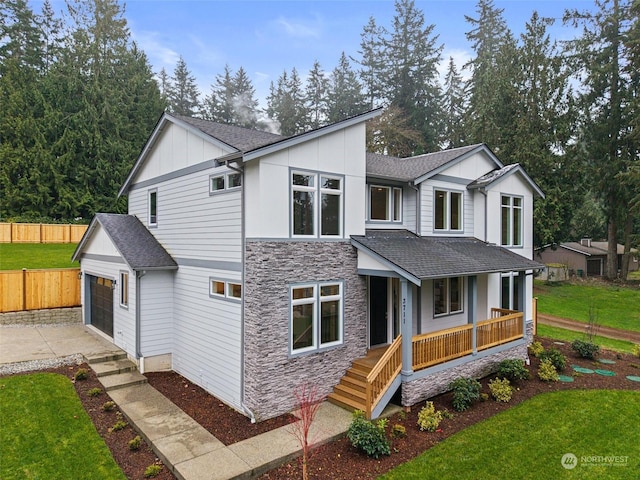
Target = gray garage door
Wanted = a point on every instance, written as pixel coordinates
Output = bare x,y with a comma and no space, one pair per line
102,304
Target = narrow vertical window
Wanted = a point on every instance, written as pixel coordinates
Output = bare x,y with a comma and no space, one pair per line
379,203
153,207
124,289
456,211
331,201
511,221
440,208
397,204
439,296
303,313
330,314
304,199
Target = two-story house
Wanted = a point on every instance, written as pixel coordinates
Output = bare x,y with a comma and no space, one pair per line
252,263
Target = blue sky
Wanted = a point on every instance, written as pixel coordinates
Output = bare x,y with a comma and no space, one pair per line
266,37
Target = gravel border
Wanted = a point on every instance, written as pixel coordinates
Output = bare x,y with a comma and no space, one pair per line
32,365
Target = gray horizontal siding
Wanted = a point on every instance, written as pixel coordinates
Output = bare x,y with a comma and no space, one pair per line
156,313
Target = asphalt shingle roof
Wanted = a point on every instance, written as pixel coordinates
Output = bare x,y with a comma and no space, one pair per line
243,139
492,176
437,257
138,247
407,169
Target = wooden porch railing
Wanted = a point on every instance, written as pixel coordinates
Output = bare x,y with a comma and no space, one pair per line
499,330
383,374
441,346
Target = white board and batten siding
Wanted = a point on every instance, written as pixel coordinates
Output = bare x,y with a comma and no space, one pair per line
108,263
267,182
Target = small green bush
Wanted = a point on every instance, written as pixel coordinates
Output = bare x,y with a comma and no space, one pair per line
501,389
119,425
135,443
152,471
429,418
81,374
108,406
536,349
484,397
513,370
555,357
636,351
398,431
446,414
585,349
465,392
94,392
547,371
369,437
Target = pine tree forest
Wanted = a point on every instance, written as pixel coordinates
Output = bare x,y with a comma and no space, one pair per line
79,99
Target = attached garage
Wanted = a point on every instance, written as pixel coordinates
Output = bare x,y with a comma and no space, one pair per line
101,304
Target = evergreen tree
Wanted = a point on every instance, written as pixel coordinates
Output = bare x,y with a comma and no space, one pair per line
285,104
392,134
245,106
184,94
52,35
344,95
454,108
316,97
372,62
218,105
164,83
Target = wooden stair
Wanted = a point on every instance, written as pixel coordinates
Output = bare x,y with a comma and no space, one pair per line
351,392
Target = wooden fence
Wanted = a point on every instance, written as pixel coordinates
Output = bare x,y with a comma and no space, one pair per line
39,289
41,233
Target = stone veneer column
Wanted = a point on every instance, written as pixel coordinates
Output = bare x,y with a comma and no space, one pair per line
271,374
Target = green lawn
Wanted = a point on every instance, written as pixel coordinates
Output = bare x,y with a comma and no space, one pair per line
16,256
614,306
47,434
563,335
529,441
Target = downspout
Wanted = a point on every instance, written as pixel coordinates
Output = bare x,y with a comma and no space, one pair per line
413,186
246,409
139,275
486,200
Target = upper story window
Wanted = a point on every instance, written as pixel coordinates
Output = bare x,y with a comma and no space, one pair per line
447,210
153,207
385,203
511,221
316,205
447,296
218,183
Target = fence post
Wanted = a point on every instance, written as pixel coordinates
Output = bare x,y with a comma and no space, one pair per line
24,289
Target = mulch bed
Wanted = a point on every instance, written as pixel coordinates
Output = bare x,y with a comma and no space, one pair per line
337,460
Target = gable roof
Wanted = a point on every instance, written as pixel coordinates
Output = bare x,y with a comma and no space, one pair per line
138,247
596,248
420,258
496,176
421,167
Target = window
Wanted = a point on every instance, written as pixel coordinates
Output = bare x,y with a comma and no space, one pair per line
385,203
153,207
221,182
447,296
509,292
305,192
225,289
511,221
316,316
124,289
447,210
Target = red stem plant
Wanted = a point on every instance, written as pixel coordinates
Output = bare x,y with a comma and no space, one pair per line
307,404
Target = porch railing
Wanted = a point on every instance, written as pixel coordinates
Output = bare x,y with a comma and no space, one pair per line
499,330
383,374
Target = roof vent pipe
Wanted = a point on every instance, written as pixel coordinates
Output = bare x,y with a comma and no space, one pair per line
585,242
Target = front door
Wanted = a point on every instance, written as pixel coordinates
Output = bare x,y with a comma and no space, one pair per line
378,311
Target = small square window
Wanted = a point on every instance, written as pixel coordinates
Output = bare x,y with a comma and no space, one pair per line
217,288
234,290
217,183
234,180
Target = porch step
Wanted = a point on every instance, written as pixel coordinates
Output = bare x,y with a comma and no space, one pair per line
345,402
122,380
105,357
344,391
113,367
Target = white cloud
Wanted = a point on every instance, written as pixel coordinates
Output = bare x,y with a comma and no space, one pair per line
298,28
460,58
159,54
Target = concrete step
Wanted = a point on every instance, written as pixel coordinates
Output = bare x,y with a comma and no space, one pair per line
122,380
113,367
105,357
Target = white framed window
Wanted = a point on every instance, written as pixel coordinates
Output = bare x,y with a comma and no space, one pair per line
385,203
153,207
510,291
447,296
224,181
225,289
316,205
511,221
316,316
124,289
447,210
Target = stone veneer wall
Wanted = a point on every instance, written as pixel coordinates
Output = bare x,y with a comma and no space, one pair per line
42,317
418,390
271,375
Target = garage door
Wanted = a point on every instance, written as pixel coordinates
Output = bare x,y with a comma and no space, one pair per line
102,304
594,267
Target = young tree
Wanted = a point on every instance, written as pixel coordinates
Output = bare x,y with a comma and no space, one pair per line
344,93
184,94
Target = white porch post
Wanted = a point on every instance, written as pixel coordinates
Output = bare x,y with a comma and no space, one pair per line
406,327
472,301
522,290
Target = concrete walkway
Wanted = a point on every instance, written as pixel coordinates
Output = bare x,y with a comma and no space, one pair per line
185,447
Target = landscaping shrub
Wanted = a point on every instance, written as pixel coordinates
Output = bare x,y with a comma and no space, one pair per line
94,392
108,406
536,349
119,425
465,391
501,389
152,471
513,370
135,443
585,349
369,437
398,431
558,360
636,351
429,418
547,371
81,374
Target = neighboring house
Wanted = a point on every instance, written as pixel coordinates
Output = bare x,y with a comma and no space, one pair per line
585,257
251,263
